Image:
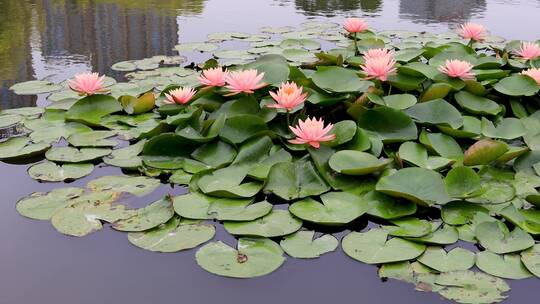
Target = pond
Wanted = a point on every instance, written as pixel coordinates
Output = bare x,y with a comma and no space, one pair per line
54,40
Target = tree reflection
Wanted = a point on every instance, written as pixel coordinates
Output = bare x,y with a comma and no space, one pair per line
430,11
55,35
336,7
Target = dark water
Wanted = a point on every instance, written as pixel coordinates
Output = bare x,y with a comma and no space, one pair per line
55,39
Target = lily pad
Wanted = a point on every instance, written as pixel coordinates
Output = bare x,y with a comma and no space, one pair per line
127,157
389,124
372,247
199,206
436,112
339,80
517,85
350,162
50,172
462,182
33,87
472,287
276,223
295,180
422,186
506,266
151,216
387,207
42,205
531,259
484,151
254,257
21,147
93,139
453,260
90,109
476,104
173,236
495,237
337,208
302,245
136,185
74,155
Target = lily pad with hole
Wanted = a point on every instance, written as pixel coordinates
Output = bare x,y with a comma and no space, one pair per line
372,247
276,223
253,257
337,208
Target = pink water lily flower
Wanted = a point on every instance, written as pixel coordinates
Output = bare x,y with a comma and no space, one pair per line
214,77
288,97
376,53
472,31
87,83
533,73
379,67
528,51
457,69
355,25
246,81
312,132
179,96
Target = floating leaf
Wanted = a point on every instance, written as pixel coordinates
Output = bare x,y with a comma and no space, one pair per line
460,213
42,206
483,152
50,172
21,147
390,125
372,247
350,162
136,185
90,109
531,259
462,182
295,180
340,80
476,104
255,257
495,237
126,157
276,223
337,208
199,206
517,85
93,139
74,155
387,207
472,287
302,245
148,217
453,260
33,87
506,266
436,112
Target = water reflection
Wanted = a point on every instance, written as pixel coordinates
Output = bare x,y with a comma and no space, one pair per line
47,39
429,11
335,7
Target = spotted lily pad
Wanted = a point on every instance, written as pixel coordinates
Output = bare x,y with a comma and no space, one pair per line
302,245
372,247
466,286
531,259
42,205
254,257
50,172
136,185
276,223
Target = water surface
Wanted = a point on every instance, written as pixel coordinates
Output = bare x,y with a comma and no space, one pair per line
55,39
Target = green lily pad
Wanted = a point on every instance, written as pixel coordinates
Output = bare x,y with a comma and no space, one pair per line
506,266
422,186
508,128
339,80
276,223
166,151
90,109
496,237
350,162
517,85
254,257
460,213
472,287
531,259
42,205
436,112
199,206
50,172
127,157
136,185
453,260
389,124
462,182
20,148
151,216
74,155
173,236
387,207
295,180
476,104
436,91
372,247
337,208
417,154
33,87
408,227
302,245
93,139
440,235
85,213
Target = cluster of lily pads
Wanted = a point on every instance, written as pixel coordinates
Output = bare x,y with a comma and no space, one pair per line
431,161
